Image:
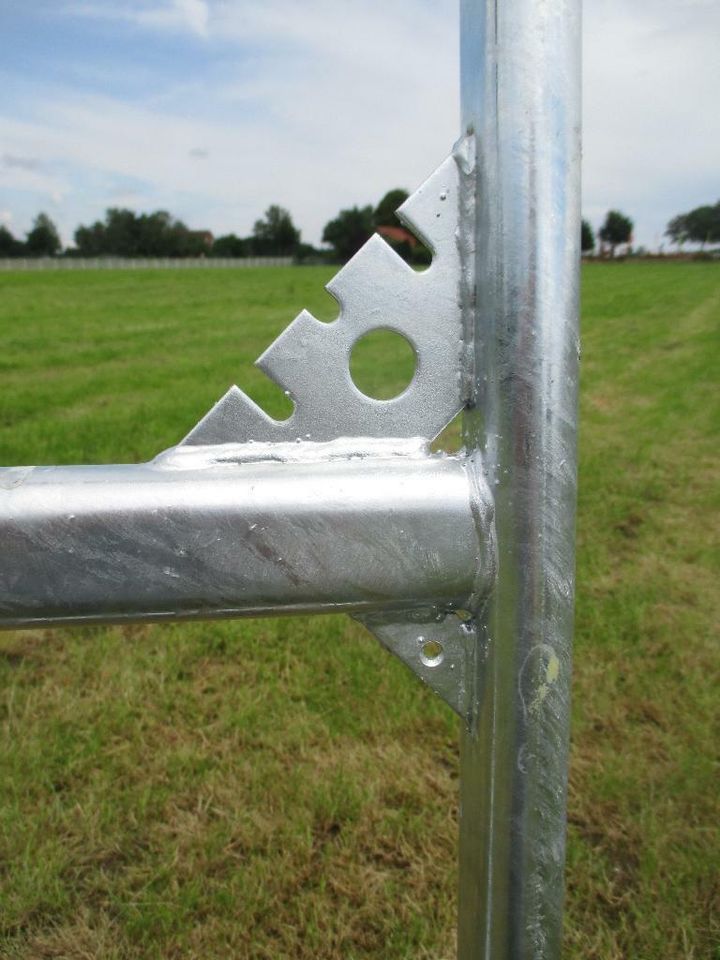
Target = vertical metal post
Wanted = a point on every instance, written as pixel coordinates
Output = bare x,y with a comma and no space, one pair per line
520,64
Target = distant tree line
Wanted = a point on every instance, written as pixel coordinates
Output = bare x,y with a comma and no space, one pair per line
699,226
275,235
124,233
127,234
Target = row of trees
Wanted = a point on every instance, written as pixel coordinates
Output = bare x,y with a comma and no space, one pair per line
124,233
701,225
127,234
275,235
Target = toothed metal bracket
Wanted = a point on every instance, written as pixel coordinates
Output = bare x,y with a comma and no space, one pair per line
375,290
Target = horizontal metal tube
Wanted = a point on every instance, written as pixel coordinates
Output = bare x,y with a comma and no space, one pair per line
149,542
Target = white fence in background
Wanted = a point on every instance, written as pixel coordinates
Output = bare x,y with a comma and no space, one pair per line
141,263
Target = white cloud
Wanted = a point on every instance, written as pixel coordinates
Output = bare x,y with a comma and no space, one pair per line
195,14
32,179
172,15
126,198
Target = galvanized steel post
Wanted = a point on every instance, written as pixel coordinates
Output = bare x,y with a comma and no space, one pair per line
520,67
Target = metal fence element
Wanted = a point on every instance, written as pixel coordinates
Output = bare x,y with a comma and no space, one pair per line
140,263
520,80
461,565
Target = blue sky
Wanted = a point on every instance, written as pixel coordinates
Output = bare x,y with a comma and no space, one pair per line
213,109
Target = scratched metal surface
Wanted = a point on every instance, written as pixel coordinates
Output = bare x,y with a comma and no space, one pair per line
107,543
521,99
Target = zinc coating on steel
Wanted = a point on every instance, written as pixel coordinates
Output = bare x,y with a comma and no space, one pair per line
461,565
520,91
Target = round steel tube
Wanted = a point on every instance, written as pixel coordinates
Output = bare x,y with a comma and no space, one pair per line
520,67
149,542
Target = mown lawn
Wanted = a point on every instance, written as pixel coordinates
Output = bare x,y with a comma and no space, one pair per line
282,788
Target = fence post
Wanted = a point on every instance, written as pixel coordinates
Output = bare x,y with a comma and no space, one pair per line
520,80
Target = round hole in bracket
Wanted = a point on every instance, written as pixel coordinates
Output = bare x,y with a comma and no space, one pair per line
432,652
382,364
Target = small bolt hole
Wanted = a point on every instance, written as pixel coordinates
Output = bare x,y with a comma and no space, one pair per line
431,652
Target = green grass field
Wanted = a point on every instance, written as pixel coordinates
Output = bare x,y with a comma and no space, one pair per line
284,789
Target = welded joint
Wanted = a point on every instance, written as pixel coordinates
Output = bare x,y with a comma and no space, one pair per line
445,647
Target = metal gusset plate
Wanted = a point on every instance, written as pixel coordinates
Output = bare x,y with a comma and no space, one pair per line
443,653
375,290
